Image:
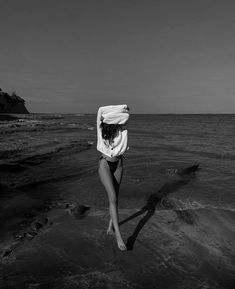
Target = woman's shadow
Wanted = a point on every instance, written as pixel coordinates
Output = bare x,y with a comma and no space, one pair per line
186,175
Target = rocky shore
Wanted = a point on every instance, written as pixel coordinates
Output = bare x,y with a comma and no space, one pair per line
54,214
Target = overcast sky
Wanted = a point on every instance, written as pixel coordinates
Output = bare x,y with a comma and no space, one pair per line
160,56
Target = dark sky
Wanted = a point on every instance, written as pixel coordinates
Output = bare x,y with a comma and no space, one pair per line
160,56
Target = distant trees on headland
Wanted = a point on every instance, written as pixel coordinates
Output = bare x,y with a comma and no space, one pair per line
11,103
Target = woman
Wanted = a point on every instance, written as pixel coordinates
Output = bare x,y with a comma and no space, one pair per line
112,143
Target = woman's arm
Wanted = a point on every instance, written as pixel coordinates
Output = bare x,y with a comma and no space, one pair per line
99,117
99,132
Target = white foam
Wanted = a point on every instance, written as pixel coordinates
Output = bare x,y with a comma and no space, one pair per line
195,205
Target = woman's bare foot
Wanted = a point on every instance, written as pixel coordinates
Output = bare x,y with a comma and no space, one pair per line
110,230
120,243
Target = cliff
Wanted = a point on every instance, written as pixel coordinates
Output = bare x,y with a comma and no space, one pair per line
11,103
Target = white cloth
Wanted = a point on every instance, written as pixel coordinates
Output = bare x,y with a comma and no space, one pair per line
113,114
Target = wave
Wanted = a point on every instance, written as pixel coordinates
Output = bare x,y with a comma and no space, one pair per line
7,117
208,154
79,114
47,116
79,125
181,205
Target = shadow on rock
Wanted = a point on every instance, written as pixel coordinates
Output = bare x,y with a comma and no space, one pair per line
160,199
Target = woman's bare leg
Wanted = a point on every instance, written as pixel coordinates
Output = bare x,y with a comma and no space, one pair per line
117,177
106,178
110,230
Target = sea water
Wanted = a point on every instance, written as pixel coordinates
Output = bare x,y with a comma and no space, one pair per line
159,145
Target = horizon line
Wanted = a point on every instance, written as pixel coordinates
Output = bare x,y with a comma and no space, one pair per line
170,113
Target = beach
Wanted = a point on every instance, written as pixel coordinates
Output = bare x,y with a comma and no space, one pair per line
176,210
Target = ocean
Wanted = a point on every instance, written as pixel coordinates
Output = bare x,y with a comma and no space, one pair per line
53,157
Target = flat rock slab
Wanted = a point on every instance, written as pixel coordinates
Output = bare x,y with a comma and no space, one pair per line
77,253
